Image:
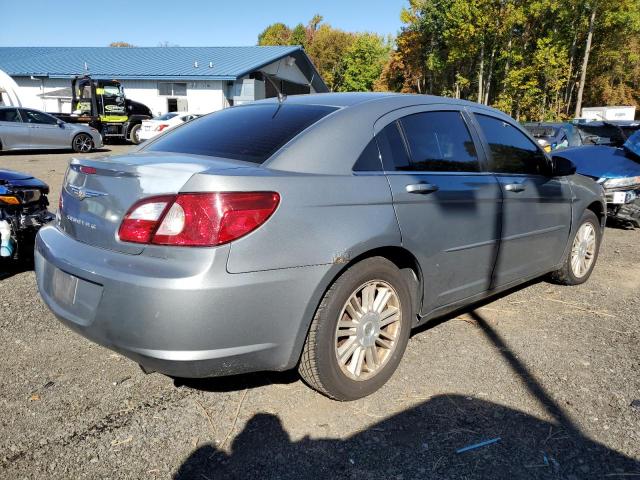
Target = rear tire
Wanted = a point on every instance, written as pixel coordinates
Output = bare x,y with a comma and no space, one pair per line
133,134
376,327
82,143
583,252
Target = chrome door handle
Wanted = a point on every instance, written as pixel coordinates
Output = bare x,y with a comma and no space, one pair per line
515,187
422,188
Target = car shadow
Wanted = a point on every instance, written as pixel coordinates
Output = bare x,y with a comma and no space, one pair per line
448,436
9,268
421,442
48,152
233,383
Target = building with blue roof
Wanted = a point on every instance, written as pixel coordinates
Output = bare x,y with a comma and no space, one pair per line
195,79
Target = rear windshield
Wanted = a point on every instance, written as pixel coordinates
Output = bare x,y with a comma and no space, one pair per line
251,133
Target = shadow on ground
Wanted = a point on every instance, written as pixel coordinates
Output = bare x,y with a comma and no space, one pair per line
423,442
49,152
417,443
9,268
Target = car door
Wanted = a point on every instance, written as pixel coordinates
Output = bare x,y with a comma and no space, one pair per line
13,132
446,204
45,130
536,208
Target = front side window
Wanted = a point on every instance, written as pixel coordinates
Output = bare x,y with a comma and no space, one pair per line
33,116
511,150
9,115
439,142
250,133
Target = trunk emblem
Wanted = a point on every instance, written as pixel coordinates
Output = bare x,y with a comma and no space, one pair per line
81,193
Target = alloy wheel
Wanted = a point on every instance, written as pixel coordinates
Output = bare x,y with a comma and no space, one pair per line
583,250
83,143
368,330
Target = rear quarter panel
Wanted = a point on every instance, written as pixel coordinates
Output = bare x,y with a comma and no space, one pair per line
321,219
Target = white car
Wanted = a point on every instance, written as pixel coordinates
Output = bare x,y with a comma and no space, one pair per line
157,125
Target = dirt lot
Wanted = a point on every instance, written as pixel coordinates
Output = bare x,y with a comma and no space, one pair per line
553,372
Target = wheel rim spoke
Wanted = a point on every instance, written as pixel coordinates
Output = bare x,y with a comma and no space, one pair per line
583,250
368,330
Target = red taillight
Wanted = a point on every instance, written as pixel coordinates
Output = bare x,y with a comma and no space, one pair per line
87,170
159,128
197,219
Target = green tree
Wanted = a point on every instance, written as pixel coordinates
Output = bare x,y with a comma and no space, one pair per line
275,34
327,51
299,35
363,62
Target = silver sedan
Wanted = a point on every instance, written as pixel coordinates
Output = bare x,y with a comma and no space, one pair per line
314,233
29,129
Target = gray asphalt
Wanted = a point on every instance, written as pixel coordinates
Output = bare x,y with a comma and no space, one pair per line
551,372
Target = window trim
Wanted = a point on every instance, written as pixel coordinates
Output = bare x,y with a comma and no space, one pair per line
487,149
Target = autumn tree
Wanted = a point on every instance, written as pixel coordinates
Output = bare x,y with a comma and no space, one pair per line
534,59
346,60
121,45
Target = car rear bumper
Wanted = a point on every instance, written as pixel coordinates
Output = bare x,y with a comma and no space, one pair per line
192,320
146,135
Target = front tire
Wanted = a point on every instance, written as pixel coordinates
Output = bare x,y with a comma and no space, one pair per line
82,143
583,252
359,332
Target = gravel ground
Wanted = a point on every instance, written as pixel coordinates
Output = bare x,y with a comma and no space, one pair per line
551,371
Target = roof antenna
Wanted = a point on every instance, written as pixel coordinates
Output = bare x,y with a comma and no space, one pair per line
281,96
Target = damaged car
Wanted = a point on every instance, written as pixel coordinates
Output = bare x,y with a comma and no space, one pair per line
23,210
618,171
312,232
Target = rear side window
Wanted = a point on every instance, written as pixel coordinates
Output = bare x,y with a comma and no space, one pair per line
439,142
9,115
511,150
392,148
251,133
369,160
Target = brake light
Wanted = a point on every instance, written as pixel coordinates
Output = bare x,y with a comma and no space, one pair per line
159,128
197,219
87,170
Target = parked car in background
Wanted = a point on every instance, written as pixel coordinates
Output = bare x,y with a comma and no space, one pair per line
552,136
618,171
29,129
163,123
612,133
558,135
313,232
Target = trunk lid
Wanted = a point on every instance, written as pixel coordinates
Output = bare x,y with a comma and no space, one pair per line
98,192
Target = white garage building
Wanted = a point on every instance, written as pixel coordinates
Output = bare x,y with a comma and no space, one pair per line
195,79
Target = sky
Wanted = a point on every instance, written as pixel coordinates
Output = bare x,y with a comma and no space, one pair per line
188,23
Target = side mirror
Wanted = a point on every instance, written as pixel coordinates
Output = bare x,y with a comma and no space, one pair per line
60,123
561,166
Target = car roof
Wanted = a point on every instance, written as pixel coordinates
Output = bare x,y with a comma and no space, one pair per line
390,99
331,145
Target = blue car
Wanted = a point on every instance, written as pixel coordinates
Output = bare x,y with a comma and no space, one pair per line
618,171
